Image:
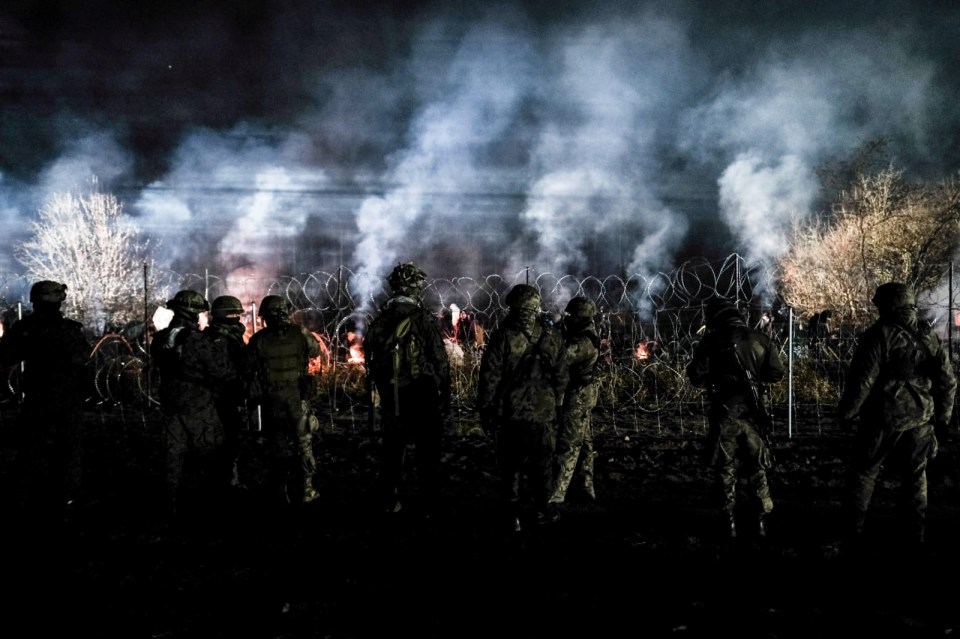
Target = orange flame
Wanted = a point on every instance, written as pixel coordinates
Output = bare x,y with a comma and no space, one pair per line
356,348
315,365
644,350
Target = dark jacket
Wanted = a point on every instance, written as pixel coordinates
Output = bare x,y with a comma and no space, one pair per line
713,366
900,376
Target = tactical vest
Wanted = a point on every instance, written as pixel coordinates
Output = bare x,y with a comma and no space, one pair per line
281,353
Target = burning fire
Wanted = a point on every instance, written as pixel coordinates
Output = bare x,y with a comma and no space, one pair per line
355,348
644,350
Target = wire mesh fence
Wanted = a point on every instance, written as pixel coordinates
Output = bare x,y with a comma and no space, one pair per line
648,326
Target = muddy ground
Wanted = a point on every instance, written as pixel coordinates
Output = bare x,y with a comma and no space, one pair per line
643,560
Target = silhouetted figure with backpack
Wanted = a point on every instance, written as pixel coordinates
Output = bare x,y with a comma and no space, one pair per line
56,372
898,398
523,377
191,368
731,361
407,364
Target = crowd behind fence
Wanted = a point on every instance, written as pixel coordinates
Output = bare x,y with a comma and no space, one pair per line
648,329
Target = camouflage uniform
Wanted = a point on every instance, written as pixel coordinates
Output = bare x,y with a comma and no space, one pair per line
55,355
575,440
226,331
412,409
523,375
901,385
733,426
192,368
280,354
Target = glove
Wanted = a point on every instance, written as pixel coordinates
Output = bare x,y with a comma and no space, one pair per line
848,425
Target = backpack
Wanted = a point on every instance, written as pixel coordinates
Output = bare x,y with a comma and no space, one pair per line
404,348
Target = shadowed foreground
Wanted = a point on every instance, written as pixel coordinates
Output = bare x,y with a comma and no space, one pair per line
642,560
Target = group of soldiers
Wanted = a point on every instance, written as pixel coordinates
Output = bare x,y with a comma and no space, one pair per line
535,396
536,393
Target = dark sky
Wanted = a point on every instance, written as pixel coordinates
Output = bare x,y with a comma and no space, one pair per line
587,138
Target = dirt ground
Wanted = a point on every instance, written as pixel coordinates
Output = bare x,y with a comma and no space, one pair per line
643,560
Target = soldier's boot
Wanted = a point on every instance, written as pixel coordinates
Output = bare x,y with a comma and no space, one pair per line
550,514
588,489
309,492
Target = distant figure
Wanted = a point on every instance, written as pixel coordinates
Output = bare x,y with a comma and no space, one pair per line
901,387
728,360
191,369
280,356
407,363
523,376
574,450
56,373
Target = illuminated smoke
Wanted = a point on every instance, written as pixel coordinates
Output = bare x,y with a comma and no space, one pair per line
592,139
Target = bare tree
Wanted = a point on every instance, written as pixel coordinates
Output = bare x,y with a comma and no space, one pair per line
85,242
880,229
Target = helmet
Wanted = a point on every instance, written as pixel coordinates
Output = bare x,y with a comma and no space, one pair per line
406,276
189,301
719,309
226,306
523,296
894,295
274,306
48,291
581,307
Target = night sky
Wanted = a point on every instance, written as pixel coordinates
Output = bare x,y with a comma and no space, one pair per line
281,137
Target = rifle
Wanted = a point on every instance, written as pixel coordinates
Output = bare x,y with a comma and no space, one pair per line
761,417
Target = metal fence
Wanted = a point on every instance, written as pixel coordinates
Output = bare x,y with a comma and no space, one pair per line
648,326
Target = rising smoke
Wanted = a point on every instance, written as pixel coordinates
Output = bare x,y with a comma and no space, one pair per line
580,142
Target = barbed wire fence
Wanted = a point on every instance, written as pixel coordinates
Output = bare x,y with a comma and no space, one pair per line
648,326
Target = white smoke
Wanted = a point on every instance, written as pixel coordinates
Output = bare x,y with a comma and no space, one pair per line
804,102
474,105
590,140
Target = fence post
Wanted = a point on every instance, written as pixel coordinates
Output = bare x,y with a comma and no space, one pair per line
790,372
950,318
146,326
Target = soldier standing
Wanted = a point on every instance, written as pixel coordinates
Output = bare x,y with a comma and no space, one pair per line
523,376
226,330
901,388
280,355
49,443
407,363
730,357
575,440
192,368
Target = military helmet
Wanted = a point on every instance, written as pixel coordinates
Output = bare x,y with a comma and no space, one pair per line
48,291
273,306
523,297
405,276
894,295
581,307
190,301
720,309
226,306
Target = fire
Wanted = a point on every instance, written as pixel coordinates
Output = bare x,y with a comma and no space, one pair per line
1,329
315,365
644,350
356,348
